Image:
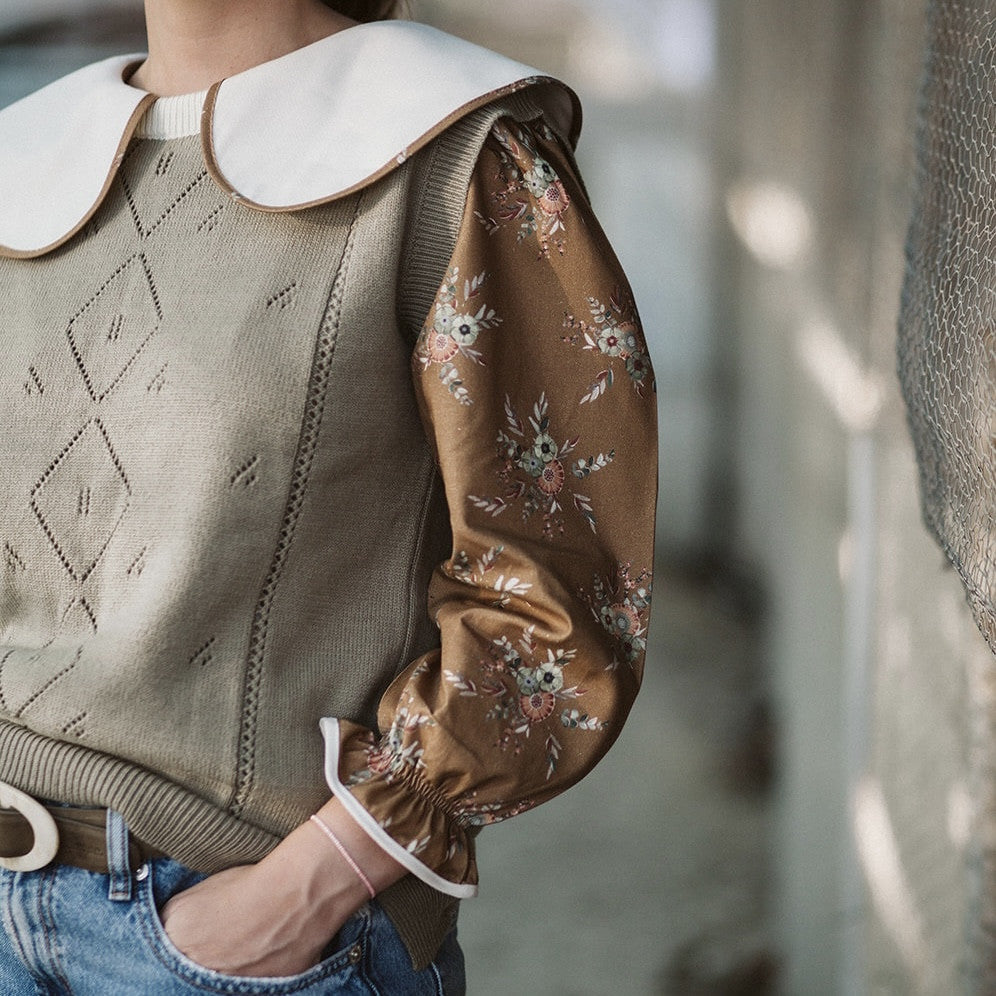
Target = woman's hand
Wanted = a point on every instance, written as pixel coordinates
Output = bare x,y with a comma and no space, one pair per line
276,917
246,921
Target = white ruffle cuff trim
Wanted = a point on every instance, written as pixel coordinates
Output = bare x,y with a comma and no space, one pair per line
330,732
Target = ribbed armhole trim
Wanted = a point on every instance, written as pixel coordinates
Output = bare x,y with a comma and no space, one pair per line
173,117
442,184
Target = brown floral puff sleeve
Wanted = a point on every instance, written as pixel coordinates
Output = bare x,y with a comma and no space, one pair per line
534,383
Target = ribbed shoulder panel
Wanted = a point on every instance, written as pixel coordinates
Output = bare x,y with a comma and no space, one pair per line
439,186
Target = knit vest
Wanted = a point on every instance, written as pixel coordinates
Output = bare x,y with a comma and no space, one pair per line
218,507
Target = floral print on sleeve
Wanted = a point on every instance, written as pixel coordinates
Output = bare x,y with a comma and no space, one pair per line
482,574
534,470
530,193
453,330
622,606
613,331
525,688
542,618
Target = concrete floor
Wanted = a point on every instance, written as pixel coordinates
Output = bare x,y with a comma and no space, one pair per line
651,876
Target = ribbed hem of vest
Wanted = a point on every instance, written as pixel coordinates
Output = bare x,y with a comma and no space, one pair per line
178,822
190,829
422,916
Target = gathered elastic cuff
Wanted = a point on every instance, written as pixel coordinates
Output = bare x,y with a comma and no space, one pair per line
402,816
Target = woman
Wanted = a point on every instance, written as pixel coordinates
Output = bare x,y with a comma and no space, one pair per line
289,357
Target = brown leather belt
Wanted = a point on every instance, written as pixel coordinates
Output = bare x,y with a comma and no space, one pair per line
82,838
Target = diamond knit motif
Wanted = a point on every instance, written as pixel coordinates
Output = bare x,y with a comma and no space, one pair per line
84,495
81,499
110,331
163,188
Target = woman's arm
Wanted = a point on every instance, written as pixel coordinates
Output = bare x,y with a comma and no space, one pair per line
536,392
535,388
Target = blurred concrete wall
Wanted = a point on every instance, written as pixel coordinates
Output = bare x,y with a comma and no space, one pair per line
16,12
880,674
41,40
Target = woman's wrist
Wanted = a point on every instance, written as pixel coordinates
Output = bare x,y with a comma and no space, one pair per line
329,875
379,869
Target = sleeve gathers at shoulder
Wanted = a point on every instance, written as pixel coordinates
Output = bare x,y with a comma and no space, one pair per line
535,387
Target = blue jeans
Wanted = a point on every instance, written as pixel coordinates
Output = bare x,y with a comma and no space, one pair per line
68,931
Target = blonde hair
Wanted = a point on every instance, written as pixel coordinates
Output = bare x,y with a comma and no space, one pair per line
369,10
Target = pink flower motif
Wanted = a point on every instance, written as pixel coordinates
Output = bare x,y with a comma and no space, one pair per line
379,761
555,199
623,619
538,706
551,478
440,347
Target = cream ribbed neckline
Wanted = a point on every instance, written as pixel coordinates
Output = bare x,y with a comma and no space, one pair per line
173,117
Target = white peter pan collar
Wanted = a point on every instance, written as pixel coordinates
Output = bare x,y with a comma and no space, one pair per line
304,129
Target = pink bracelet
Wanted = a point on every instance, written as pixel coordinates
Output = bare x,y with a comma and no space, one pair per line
340,847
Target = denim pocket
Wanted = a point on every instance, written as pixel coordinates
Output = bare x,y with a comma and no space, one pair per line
339,972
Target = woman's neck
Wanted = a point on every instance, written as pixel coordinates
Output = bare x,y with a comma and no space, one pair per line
194,43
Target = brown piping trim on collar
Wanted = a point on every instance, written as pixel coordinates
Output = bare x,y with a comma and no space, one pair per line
7,253
214,169
210,160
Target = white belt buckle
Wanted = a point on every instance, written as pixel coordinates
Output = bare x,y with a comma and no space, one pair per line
45,830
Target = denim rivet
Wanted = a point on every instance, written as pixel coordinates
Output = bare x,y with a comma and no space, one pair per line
355,953
142,874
